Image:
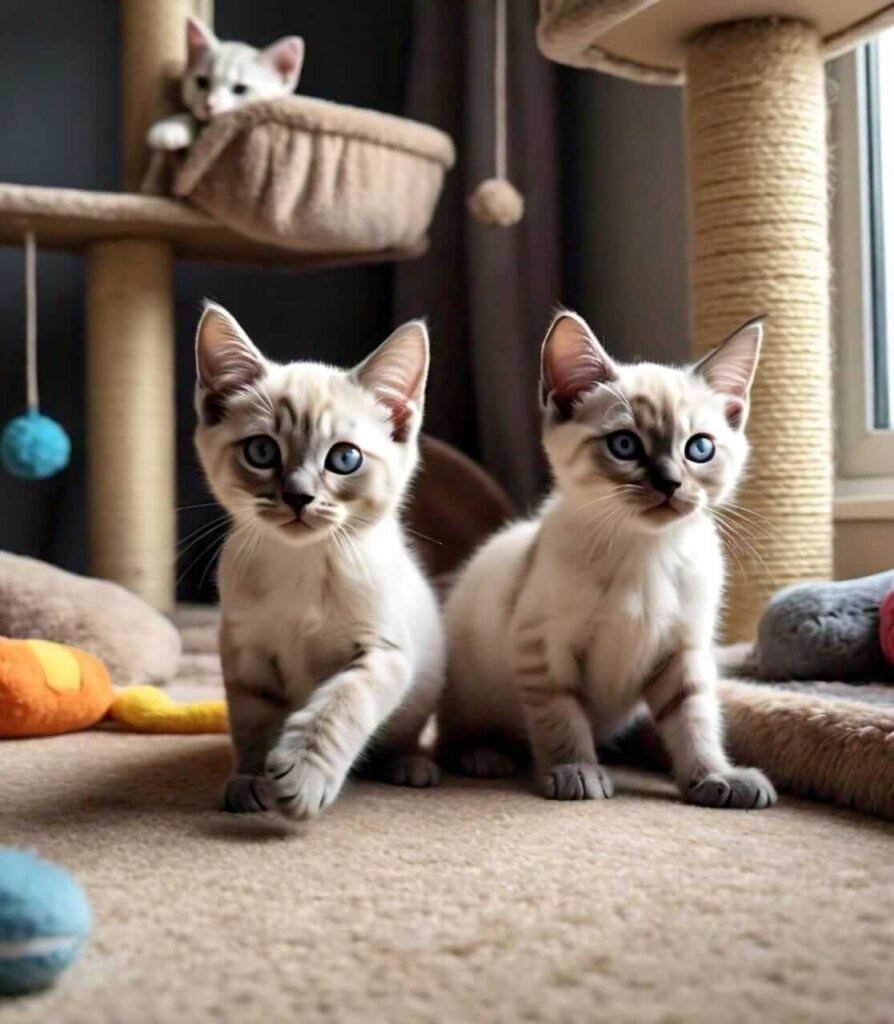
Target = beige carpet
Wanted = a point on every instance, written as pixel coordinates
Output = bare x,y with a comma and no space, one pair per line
473,903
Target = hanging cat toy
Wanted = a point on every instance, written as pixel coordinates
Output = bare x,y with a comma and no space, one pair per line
33,446
496,201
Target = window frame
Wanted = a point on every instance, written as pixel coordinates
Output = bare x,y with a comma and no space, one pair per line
863,451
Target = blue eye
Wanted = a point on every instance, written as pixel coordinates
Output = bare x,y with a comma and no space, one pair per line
344,458
700,448
624,445
261,452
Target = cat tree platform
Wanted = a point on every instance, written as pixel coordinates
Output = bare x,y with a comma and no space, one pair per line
66,218
756,135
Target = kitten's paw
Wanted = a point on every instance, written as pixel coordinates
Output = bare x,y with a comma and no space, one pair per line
740,788
301,786
170,135
247,794
581,781
483,762
415,770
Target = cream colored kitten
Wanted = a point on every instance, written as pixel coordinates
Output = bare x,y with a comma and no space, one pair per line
331,642
561,626
222,76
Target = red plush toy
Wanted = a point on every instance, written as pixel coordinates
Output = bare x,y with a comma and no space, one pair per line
886,627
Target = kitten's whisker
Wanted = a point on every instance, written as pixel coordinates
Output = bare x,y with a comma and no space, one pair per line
197,536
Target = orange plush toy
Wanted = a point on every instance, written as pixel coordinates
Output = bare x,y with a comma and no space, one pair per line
48,688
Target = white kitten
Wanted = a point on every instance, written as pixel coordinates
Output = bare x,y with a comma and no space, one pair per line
331,641
561,626
222,76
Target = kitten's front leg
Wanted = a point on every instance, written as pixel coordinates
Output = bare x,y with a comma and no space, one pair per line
256,713
559,729
320,743
172,133
683,701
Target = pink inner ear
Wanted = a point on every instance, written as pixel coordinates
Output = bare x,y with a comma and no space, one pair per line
197,42
734,409
286,56
400,413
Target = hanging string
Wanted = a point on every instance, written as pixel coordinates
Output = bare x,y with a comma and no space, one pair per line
31,320
500,160
495,200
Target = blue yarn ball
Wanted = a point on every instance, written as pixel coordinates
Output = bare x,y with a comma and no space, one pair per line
44,922
34,447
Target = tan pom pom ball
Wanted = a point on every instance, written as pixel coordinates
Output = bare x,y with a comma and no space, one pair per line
497,202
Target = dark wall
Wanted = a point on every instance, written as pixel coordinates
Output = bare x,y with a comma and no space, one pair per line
624,190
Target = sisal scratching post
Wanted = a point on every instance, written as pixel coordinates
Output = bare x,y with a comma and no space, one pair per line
152,54
130,416
130,340
757,161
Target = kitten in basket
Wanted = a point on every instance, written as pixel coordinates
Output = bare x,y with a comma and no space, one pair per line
562,625
331,642
220,77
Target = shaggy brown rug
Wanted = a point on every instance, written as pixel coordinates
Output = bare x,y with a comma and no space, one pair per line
473,903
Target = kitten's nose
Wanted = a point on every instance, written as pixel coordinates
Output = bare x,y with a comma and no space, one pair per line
665,478
666,485
297,502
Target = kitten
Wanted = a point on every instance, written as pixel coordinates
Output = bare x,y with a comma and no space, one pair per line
561,626
221,77
331,641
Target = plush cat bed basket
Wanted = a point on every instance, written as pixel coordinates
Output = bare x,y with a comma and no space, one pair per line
306,174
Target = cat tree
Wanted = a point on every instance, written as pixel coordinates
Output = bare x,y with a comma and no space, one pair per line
756,118
131,242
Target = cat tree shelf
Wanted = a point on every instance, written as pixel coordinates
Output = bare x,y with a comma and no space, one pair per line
66,218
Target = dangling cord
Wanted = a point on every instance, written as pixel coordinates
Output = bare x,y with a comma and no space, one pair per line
500,161
31,321
496,201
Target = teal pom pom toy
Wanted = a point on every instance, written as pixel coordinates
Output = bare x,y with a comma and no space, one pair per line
44,922
34,447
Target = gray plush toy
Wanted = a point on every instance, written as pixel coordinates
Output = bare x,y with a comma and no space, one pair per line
828,631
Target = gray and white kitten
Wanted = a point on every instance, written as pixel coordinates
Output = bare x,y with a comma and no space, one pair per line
562,626
223,76
331,641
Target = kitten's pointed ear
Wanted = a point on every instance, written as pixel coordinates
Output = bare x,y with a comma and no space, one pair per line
572,363
199,40
286,57
226,358
396,373
729,369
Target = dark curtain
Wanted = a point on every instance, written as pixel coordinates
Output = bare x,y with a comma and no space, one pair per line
488,292
599,162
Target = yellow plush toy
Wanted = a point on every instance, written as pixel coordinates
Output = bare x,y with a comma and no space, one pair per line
48,688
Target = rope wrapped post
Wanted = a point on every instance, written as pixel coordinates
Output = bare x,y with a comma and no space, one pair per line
130,416
757,162
130,340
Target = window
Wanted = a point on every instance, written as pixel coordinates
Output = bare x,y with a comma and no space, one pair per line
863,248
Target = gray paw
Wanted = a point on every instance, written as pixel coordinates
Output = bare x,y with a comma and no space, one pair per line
483,762
247,794
579,781
740,788
415,770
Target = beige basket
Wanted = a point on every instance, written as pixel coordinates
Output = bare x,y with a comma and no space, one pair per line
306,174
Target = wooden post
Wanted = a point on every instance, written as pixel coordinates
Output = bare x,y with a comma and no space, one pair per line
131,415
130,337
